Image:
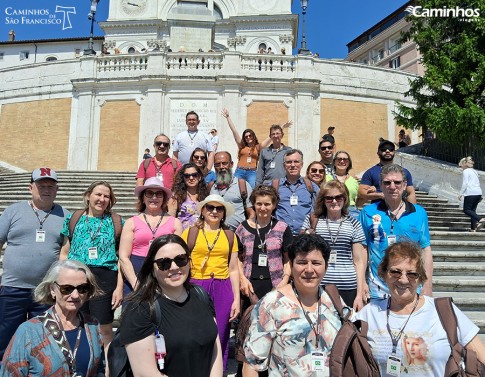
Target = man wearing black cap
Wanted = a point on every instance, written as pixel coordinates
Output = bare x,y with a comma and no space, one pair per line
370,189
326,148
32,231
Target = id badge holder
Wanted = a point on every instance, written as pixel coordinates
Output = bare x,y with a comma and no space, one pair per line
391,239
40,235
333,257
150,243
318,363
393,367
249,160
272,165
294,200
93,253
262,260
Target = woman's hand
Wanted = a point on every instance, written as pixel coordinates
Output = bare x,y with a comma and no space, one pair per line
460,197
245,286
117,298
287,124
225,113
235,310
359,303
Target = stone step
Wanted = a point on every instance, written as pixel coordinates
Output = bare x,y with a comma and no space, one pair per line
467,237
458,268
458,256
459,283
466,301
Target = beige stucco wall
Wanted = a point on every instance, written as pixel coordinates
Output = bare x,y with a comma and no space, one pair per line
261,115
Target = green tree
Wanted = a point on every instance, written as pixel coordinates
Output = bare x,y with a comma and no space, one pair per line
450,97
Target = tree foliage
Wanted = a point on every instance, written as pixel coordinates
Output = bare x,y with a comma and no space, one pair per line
450,97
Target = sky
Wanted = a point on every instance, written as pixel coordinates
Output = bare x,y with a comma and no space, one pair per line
330,24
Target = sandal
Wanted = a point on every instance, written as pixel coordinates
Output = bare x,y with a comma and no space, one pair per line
481,224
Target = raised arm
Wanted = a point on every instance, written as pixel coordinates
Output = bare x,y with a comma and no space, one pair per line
232,126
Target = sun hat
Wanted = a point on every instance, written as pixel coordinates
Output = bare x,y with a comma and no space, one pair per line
154,183
218,199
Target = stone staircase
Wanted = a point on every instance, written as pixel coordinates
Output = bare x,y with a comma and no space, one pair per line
459,256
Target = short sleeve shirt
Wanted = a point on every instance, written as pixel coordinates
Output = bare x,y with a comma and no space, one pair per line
185,143
372,177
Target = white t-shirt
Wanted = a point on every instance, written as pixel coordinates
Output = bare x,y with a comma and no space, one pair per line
185,143
423,347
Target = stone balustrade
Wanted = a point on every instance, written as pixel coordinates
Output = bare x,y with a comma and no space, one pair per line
188,61
131,62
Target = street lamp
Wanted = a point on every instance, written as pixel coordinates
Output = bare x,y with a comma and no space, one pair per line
303,50
92,13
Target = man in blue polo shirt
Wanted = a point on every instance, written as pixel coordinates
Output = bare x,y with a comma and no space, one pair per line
297,194
370,188
390,220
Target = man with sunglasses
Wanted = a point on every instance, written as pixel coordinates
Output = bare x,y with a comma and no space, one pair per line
326,148
32,231
393,219
234,190
160,166
370,188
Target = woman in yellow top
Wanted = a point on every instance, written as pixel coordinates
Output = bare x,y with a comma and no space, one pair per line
249,149
214,266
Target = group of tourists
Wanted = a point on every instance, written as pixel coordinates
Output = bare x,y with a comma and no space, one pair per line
206,245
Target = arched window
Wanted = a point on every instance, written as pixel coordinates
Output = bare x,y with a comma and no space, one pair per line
50,59
131,50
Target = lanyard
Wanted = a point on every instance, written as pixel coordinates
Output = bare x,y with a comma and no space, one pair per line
192,137
275,152
89,229
392,216
210,247
330,232
289,188
41,222
314,326
71,354
150,227
262,244
395,340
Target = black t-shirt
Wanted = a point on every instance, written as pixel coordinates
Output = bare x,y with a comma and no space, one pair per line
189,330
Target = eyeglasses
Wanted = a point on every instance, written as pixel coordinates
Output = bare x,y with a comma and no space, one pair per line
343,159
219,164
151,194
398,273
196,157
290,162
326,148
211,208
160,143
315,170
388,183
191,175
385,149
338,198
164,264
67,289
248,135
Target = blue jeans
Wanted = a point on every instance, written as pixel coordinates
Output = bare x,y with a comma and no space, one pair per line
248,175
16,306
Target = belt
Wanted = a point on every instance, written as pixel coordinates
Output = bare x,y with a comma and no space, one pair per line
260,277
245,168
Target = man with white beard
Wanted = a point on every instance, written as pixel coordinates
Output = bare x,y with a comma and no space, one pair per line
234,190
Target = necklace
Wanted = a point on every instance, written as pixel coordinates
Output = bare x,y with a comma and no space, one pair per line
192,197
178,298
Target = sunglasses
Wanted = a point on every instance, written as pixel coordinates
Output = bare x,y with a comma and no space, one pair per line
384,149
315,170
151,194
198,157
67,289
160,143
164,264
211,208
388,183
326,148
191,175
398,273
338,198
344,159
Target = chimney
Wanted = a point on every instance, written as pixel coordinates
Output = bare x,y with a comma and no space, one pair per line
11,36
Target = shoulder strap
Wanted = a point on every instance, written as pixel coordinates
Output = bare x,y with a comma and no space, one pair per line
244,194
308,185
334,295
118,225
448,318
73,221
146,164
192,237
276,184
209,185
202,293
230,238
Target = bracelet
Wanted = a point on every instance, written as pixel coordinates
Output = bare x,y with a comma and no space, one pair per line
286,275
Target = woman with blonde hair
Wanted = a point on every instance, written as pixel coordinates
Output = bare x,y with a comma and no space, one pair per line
471,193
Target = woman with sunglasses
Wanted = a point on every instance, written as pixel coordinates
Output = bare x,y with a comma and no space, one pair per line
189,189
348,257
63,341
263,265
342,164
214,262
199,157
406,317
187,318
91,239
248,150
315,172
140,230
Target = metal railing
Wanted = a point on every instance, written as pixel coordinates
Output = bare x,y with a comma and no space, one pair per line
453,153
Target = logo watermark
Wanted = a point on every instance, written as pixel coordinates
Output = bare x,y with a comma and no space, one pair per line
456,12
40,16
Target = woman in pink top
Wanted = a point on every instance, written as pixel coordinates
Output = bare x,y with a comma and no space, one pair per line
140,231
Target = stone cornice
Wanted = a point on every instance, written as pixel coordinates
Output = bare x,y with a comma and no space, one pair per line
131,23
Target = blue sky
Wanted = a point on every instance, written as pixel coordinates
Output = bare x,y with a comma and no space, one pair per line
330,24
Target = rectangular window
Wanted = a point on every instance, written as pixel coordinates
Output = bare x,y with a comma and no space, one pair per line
395,63
24,55
1,55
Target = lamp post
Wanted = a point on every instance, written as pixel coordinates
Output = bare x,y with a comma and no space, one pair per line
92,13
303,50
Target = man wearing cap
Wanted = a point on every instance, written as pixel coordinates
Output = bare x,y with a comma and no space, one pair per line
32,230
330,130
326,148
370,187
187,141
161,165
234,190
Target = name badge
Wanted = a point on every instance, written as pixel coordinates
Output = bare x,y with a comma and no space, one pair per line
294,200
150,243
93,253
262,260
272,165
39,235
333,257
318,363
249,160
160,176
391,239
393,366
